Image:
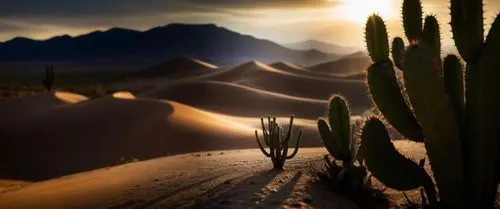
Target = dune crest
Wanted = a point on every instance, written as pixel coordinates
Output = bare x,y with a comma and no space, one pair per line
178,67
123,95
25,108
238,100
69,98
344,66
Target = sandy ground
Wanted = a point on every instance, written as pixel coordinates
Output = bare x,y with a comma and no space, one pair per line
218,179
62,150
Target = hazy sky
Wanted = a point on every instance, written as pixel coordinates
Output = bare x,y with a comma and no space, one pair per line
336,21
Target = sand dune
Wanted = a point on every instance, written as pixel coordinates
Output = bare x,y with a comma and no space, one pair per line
177,68
344,66
26,108
239,100
291,68
304,71
110,130
260,76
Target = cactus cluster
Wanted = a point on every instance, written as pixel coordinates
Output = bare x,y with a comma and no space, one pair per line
453,116
339,140
48,81
277,141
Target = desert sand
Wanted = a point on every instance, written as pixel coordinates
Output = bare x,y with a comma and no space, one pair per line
178,67
213,95
351,67
217,179
260,76
110,130
181,140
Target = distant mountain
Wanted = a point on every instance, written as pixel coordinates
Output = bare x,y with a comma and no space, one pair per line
358,54
321,46
208,42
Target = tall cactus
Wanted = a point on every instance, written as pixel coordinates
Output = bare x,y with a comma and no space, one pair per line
48,81
277,142
340,143
456,121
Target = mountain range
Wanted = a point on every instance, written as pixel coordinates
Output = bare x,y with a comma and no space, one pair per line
208,42
321,46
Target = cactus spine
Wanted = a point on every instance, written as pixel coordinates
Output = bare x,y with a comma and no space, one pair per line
340,143
468,172
277,142
48,81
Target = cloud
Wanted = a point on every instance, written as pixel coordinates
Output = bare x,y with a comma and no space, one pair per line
9,27
106,8
266,3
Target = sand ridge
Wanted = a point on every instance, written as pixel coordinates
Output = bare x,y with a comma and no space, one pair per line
344,66
238,100
26,108
178,67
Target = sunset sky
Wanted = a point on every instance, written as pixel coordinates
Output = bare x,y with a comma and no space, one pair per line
282,21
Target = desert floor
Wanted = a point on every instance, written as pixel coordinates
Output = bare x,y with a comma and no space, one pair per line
217,179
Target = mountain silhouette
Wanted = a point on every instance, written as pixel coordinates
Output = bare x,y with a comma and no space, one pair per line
208,42
321,46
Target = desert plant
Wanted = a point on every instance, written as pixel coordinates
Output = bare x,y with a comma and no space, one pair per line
48,81
340,142
456,123
277,141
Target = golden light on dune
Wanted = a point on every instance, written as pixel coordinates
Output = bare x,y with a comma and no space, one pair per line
359,10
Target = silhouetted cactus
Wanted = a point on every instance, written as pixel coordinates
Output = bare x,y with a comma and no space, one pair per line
459,132
277,142
48,81
340,143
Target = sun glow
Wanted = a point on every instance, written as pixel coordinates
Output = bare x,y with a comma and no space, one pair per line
359,10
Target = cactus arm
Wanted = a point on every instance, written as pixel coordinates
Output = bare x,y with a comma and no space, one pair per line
454,85
431,34
388,165
412,20
377,39
435,114
398,48
296,150
260,145
340,122
289,132
327,137
467,27
386,93
264,132
486,151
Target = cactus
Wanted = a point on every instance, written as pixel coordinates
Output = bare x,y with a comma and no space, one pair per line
398,48
454,119
277,142
340,143
48,81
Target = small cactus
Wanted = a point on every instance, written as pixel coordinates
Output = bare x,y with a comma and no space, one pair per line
48,81
340,143
277,141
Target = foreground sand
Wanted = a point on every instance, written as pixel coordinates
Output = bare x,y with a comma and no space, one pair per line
221,179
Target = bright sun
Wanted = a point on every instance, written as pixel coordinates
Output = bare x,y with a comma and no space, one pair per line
359,10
